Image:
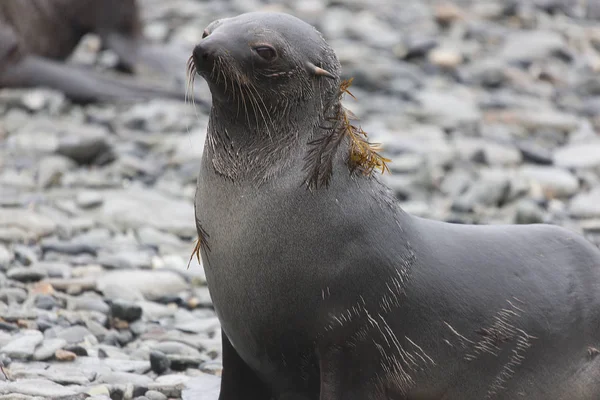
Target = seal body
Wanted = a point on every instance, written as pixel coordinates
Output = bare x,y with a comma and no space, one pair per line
36,36
332,291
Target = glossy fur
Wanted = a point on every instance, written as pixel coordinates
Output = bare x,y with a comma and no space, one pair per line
333,292
36,36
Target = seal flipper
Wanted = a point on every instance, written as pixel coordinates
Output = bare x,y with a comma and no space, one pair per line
78,84
338,382
238,381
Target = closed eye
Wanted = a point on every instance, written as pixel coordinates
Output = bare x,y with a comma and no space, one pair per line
266,52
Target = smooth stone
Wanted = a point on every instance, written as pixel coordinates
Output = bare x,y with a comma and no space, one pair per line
98,330
489,191
134,259
536,154
170,385
495,154
38,387
120,378
152,285
447,109
46,302
6,257
26,274
168,347
51,169
54,269
30,224
99,391
578,155
88,199
136,207
528,212
125,310
23,345
155,395
202,387
445,57
456,182
531,45
135,366
153,237
74,334
555,182
65,355
48,348
198,325
55,372
159,362
84,147
90,303
585,205
154,311
536,120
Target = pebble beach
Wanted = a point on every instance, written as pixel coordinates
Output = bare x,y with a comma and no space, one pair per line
489,112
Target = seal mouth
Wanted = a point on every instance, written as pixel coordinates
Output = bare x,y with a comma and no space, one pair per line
230,86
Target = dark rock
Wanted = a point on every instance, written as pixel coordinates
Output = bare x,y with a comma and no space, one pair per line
125,310
159,362
46,302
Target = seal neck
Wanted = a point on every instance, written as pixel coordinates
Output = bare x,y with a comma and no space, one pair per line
259,143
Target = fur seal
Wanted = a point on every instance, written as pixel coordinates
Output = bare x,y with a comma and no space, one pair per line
36,35
326,289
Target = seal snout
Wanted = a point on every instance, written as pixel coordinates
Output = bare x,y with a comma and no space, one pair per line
202,54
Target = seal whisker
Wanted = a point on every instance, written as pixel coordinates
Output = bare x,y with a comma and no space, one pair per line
264,107
252,91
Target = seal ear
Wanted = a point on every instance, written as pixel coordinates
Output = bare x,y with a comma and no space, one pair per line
313,69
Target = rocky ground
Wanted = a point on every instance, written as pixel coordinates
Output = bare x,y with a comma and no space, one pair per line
489,110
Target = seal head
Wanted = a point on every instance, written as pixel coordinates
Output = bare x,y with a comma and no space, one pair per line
265,50
276,92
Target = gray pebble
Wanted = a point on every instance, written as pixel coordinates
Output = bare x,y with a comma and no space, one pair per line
155,395
47,349
170,385
51,170
6,257
38,387
531,45
151,284
579,155
88,199
528,212
554,181
586,205
159,362
73,335
23,345
11,295
29,224
46,302
125,310
26,274
84,147
123,378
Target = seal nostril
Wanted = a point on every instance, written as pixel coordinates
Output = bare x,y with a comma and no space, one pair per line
200,53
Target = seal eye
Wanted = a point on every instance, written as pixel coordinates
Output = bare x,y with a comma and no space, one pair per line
205,33
266,52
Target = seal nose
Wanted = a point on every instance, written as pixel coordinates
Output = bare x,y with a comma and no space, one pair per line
203,55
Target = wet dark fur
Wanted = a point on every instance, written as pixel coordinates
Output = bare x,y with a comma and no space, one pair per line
326,289
36,36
